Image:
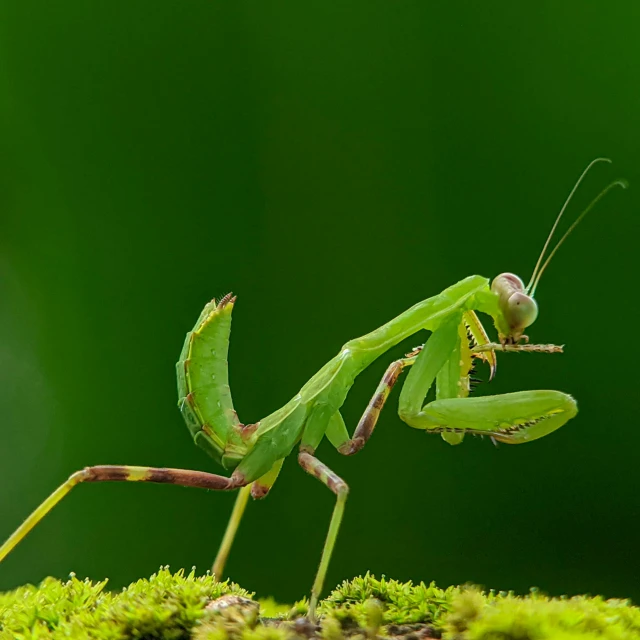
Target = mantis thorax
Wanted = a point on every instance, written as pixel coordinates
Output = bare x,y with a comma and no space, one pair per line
518,309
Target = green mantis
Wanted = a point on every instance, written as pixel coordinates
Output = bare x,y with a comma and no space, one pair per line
254,453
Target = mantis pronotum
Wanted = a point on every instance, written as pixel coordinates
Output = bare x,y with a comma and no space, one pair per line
254,453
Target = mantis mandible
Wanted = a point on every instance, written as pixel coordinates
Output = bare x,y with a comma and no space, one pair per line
254,453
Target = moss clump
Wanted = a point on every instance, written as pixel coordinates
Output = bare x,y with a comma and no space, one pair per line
176,606
401,603
476,616
165,606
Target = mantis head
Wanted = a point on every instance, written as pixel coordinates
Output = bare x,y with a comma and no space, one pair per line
517,306
519,310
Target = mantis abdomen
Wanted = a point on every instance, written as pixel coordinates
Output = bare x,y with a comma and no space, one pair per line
203,386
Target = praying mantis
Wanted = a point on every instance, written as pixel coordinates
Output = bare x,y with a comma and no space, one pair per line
254,453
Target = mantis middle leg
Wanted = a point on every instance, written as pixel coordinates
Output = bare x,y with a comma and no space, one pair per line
314,467
367,423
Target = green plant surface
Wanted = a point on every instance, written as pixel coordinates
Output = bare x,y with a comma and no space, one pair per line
175,606
165,606
402,603
476,616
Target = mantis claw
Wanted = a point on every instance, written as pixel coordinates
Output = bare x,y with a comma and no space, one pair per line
477,337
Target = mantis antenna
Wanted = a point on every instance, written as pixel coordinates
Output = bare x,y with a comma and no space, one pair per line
537,272
616,183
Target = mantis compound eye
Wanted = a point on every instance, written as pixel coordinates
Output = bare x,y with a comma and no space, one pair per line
521,312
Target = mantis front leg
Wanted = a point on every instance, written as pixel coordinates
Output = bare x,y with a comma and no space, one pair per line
512,417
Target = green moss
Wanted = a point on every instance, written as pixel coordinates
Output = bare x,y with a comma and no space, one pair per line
165,606
174,606
506,617
402,602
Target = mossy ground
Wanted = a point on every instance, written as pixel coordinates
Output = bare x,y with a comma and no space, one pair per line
174,606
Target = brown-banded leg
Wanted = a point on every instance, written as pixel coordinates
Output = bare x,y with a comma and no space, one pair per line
121,473
369,418
313,466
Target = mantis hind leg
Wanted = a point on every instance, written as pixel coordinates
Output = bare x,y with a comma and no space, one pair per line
257,490
230,532
120,473
314,467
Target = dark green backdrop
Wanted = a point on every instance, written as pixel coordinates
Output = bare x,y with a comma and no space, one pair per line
332,163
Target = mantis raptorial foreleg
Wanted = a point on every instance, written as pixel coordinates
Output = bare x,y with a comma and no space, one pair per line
511,417
318,469
121,473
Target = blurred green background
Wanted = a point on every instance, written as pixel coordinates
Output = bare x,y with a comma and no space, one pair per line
331,163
